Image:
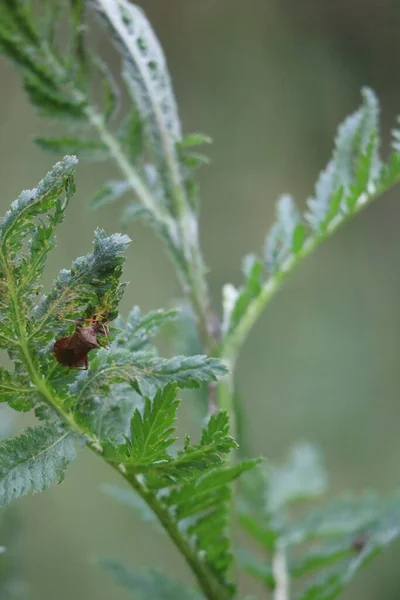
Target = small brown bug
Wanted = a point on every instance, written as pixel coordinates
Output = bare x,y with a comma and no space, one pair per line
359,542
73,350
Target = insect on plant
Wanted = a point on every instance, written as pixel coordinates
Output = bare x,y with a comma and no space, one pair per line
73,350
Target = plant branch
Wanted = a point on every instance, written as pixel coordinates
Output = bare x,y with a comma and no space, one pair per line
232,343
212,589
180,235
281,576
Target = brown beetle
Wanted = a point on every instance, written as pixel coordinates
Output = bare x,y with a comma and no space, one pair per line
73,350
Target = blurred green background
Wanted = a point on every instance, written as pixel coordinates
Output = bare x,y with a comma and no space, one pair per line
269,80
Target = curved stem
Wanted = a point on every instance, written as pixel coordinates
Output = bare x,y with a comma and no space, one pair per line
232,343
212,588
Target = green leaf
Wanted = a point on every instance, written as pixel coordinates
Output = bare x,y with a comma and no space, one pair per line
146,76
151,433
260,532
26,237
194,160
145,372
15,389
91,150
237,302
286,235
302,477
131,136
110,192
194,139
90,286
375,537
150,585
14,47
34,461
201,507
18,222
53,103
257,567
138,330
357,136
110,88
106,415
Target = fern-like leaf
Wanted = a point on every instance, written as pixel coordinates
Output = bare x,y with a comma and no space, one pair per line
335,540
354,176
34,461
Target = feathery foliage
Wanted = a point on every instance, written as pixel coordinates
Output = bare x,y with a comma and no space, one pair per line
124,407
354,176
335,540
34,461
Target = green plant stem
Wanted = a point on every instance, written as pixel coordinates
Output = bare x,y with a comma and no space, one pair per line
232,343
212,588
180,234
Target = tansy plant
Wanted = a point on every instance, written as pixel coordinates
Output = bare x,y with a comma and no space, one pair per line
121,400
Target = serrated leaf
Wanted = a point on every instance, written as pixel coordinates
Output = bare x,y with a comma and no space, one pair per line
110,192
151,433
15,389
150,585
236,302
90,150
201,506
357,132
14,47
106,415
145,372
26,237
52,103
92,281
138,330
148,81
34,461
390,173
283,238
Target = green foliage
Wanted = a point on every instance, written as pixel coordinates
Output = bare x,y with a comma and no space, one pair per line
194,480
109,193
34,461
148,585
91,150
124,407
325,547
354,176
151,434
